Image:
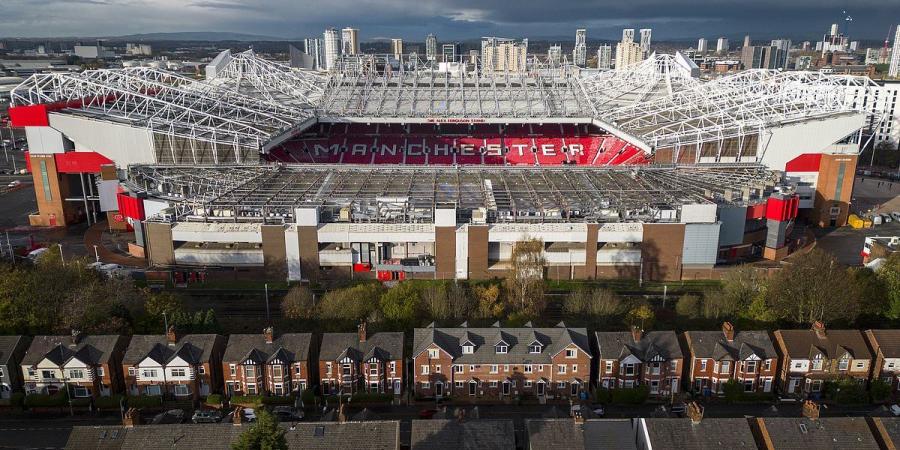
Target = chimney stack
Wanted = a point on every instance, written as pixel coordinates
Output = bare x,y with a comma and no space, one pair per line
811,410
460,415
361,331
342,413
695,412
238,417
269,333
577,414
132,418
636,333
76,336
171,337
728,331
819,328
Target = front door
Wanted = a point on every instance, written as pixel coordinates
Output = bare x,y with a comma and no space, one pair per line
792,386
506,388
540,390
439,389
396,387
473,387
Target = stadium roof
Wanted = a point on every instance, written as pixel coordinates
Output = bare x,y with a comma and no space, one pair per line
405,194
250,101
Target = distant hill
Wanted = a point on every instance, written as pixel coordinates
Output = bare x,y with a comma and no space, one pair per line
210,36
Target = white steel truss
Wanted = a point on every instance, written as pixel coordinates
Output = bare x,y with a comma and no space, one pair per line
246,72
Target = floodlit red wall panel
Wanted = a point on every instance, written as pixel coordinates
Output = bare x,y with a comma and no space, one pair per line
757,211
29,116
131,207
28,161
807,162
782,209
80,162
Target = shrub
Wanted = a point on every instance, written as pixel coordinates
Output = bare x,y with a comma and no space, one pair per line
846,391
880,391
17,399
371,397
308,397
633,396
277,400
246,400
143,401
603,395
45,400
111,402
213,399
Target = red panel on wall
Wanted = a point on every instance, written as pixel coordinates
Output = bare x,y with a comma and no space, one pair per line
29,116
782,209
80,162
28,161
131,207
807,162
757,211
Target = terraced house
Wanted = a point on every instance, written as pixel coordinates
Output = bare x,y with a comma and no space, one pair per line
88,365
350,362
174,366
501,363
812,357
630,359
265,364
886,345
717,357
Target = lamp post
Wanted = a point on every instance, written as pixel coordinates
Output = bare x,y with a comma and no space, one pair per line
96,253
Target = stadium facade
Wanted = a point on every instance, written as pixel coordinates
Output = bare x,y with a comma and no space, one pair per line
409,169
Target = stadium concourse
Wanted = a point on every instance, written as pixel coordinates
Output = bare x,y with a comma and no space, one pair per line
398,169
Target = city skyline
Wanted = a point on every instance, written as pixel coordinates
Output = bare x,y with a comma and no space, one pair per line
454,20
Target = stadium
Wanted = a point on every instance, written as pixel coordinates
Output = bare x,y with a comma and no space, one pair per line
402,170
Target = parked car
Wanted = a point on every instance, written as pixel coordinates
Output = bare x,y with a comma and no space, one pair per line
427,413
36,253
895,409
896,215
287,413
167,417
13,183
598,410
886,218
248,413
206,416
678,409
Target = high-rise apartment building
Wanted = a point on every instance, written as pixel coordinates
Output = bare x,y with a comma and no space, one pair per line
782,44
763,57
628,54
604,57
747,41
628,35
397,48
430,47
316,49
702,45
332,48
579,53
500,54
350,41
722,45
450,52
894,69
554,55
645,39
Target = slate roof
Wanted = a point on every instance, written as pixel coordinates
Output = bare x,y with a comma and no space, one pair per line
618,345
565,434
888,341
377,435
289,347
844,433
682,434
94,350
155,437
193,348
8,346
712,344
891,427
801,344
466,435
388,346
451,340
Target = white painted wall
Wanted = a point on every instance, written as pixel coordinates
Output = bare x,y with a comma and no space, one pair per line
620,232
785,143
462,253
123,144
44,140
698,213
292,253
224,257
216,232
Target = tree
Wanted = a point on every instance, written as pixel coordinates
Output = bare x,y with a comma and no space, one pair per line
526,281
298,303
488,298
688,306
264,434
459,299
812,287
354,303
436,300
164,303
596,303
889,276
740,287
641,316
402,303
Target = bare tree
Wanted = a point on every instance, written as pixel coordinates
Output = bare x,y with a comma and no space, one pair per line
526,282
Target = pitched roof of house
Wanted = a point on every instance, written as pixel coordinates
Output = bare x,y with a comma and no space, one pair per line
891,427
451,340
375,435
620,344
335,346
844,433
155,437
467,435
288,346
565,434
678,434
712,344
888,341
92,349
802,344
193,348
8,346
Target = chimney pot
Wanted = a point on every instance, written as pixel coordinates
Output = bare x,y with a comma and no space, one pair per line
269,333
342,413
636,333
76,336
361,331
171,336
695,412
810,410
728,331
238,417
819,328
132,418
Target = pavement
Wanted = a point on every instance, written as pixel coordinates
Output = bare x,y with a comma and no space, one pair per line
111,248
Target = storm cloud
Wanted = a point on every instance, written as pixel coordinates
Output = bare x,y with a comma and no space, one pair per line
450,19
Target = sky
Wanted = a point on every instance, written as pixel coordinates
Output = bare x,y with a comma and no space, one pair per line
450,19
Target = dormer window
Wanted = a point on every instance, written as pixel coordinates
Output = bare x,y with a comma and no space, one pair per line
432,353
468,349
571,353
844,363
501,349
535,348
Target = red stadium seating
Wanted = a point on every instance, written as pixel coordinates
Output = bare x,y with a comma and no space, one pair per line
448,144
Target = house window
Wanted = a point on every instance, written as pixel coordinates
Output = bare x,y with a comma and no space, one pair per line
798,365
148,373
458,368
506,368
540,367
629,369
859,364
468,349
528,383
768,365
534,348
528,368
346,369
426,369
297,370
724,366
80,391
471,367
426,385
574,368
673,364
30,372
561,385
748,385
843,364
703,365
182,390
100,371
47,374
279,389
201,370
654,368
152,390
277,371
393,367
571,353
817,364
609,365
437,369
131,371
250,371
178,372
432,353
328,368
76,373
494,383
495,368
816,385
460,384
501,349
561,368
373,370
233,369
750,366
251,389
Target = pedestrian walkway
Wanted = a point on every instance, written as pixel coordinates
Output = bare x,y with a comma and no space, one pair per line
98,235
